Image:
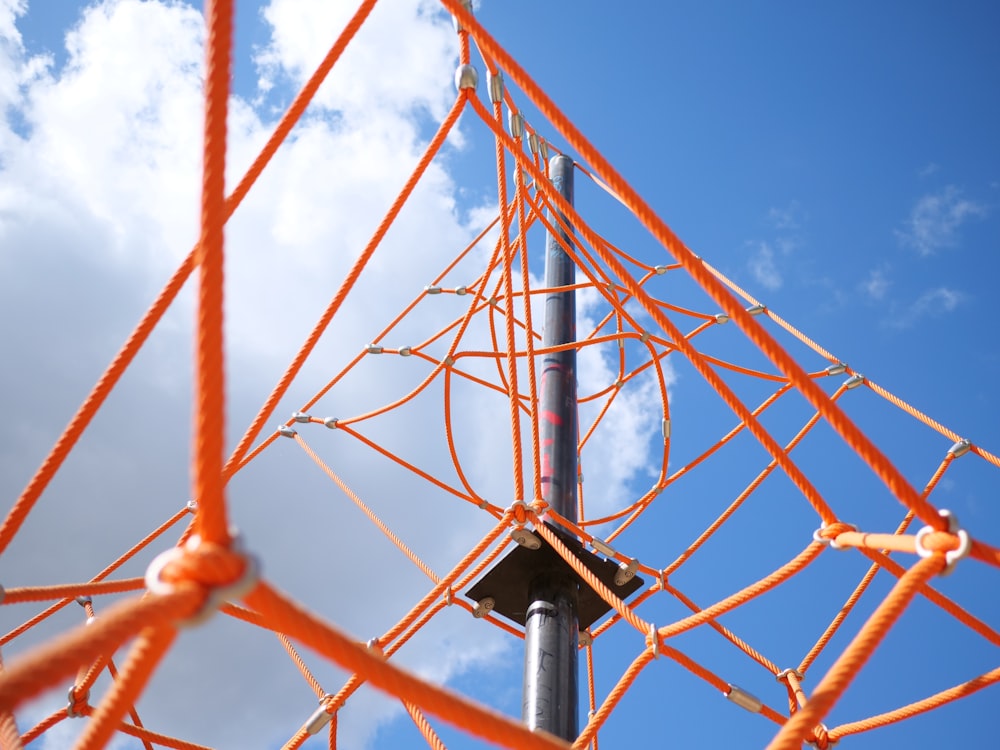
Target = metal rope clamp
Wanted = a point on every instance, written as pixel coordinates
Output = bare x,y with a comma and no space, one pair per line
952,556
218,595
832,543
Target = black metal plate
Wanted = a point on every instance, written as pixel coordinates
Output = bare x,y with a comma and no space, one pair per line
507,582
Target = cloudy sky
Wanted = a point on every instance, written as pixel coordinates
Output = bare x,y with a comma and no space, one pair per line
840,164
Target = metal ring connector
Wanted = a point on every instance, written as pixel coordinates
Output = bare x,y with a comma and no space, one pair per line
951,556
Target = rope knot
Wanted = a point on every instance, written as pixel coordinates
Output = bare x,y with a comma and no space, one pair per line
222,572
821,738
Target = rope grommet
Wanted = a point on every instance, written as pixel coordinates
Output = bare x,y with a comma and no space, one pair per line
654,640
217,595
828,541
74,699
951,556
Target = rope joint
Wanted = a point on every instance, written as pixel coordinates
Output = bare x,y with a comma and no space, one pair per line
951,556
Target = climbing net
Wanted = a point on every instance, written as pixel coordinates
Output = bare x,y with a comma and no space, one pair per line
648,325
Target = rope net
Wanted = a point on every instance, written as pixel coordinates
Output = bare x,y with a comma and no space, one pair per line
768,414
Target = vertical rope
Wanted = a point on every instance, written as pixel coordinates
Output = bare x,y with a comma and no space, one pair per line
210,407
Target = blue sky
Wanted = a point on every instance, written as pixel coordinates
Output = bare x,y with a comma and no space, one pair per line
838,162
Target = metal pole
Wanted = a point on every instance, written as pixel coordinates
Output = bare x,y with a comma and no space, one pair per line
550,699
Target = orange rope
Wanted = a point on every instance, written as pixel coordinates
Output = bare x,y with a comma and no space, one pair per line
324,639
836,680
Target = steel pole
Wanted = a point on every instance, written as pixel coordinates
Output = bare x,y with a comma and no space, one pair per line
550,693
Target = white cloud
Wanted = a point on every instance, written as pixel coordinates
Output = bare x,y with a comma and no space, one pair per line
764,268
932,303
98,202
936,219
877,283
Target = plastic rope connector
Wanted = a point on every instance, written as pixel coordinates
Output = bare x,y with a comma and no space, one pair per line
951,556
743,699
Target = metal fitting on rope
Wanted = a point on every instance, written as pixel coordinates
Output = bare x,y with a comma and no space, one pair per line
626,572
854,381
584,639
75,700
721,318
515,121
3,593
83,601
525,538
448,361
285,431
653,640
519,509
782,676
951,556
374,349
495,81
432,289
331,422
320,717
831,541
659,270
756,309
543,150
461,291
217,595
484,607
743,699
301,417
467,4
405,351
665,429
466,77
960,448
602,546
192,505
838,369
533,142
822,734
